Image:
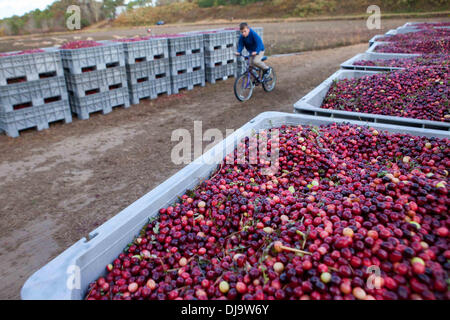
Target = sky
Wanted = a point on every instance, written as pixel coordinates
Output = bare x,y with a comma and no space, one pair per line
9,8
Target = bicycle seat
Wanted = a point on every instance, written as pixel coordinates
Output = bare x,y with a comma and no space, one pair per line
264,58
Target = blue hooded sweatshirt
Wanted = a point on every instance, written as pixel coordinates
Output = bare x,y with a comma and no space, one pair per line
252,43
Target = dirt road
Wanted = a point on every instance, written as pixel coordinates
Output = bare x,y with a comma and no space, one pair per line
57,185
279,37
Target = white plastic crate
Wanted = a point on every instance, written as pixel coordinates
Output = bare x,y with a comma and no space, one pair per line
187,63
38,117
186,44
108,55
145,50
188,80
107,241
32,93
81,85
350,63
150,70
103,102
312,102
219,39
220,57
30,67
222,72
149,89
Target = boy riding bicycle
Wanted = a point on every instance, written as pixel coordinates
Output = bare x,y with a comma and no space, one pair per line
254,45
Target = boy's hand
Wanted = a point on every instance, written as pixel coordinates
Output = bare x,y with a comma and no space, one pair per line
254,53
237,53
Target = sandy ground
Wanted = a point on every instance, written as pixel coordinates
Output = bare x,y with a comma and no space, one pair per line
279,37
59,184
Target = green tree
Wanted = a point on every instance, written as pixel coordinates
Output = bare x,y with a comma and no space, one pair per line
16,24
109,7
139,3
212,3
206,3
39,17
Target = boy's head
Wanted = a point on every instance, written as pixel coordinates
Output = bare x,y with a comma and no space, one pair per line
245,29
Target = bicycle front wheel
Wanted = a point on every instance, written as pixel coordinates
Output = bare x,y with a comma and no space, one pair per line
243,87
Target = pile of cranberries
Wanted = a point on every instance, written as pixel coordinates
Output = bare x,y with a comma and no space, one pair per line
18,53
80,44
136,39
167,35
430,46
418,92
427,25
428,34
427,41
425,60
352,213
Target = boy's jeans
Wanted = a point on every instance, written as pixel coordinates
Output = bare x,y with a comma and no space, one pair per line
256,61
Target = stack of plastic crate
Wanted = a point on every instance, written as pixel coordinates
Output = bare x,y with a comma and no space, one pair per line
148,68
33,92
96,78
241,66
187,61
220,58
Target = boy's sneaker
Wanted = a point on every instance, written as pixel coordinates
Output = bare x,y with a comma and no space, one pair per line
266,73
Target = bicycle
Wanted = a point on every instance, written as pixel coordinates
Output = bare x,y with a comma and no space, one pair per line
252,76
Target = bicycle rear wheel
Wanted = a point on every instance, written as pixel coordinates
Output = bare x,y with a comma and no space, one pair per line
270,82
243,87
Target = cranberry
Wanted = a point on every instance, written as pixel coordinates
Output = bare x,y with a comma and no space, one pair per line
349,198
